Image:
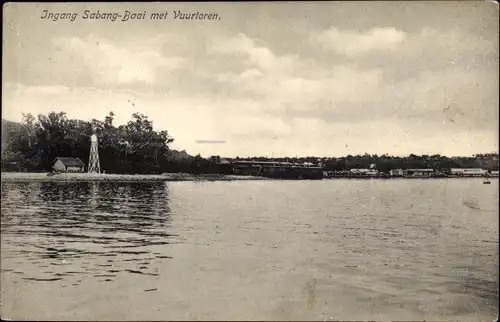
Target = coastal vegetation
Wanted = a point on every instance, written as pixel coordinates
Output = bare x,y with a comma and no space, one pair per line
136,148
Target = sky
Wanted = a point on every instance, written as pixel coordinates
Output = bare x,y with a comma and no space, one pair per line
269,78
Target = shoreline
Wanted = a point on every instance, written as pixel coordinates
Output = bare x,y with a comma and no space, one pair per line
86,177
169,177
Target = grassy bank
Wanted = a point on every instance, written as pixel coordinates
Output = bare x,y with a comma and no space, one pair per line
47,177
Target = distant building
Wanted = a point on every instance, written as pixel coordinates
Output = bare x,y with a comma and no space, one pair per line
64,164
365,172
338,174
419,172
396,173
468,172
273,169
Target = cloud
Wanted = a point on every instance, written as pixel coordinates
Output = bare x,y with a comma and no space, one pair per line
289,81
456,99
355,43
250,128
428,48
256,54
111,64
308,88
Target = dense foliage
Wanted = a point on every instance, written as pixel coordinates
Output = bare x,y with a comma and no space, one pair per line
136,147
35,143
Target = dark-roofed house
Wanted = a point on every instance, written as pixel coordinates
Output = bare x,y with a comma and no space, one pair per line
64,164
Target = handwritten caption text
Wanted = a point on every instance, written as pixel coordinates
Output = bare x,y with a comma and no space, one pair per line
128,15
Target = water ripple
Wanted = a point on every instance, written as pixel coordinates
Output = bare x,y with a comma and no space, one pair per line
80,225
274,250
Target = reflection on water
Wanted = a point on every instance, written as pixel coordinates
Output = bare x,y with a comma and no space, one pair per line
76,231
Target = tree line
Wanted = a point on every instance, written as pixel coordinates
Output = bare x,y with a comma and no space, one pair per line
136,147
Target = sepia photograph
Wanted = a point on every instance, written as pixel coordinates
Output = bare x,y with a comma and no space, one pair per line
250,161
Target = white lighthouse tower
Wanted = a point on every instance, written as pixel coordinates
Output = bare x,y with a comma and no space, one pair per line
94,166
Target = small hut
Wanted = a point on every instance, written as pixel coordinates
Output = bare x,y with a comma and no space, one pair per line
64,164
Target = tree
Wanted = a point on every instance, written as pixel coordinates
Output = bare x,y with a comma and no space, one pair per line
29,129
51,133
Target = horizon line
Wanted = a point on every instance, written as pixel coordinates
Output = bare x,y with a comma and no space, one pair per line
345,156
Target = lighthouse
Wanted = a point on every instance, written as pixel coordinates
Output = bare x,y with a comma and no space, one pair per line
94,166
